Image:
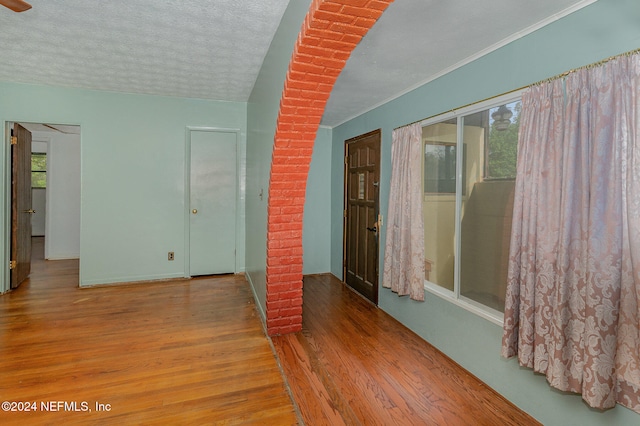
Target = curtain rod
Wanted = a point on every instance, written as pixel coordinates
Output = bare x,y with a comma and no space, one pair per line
590,66
546,80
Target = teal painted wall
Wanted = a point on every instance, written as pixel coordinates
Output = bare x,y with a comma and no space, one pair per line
262,113
316,238
133,173
603,29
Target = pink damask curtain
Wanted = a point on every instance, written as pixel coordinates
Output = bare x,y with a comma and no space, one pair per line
573,291
404,246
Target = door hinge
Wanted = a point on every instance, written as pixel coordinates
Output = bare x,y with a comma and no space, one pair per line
346,159
12,264
344,213
14,140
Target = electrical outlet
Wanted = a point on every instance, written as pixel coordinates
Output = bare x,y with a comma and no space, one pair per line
170,256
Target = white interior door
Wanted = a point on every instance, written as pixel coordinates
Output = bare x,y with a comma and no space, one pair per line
213,189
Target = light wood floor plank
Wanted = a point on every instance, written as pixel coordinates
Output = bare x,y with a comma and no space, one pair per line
180,352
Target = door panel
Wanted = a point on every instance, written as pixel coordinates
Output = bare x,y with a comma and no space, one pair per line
21,208
362,174
213,189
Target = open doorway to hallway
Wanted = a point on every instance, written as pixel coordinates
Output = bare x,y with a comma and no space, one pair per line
44,191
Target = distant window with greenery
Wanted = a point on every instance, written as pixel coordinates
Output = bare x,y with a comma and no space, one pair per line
38,170
440,168
502,142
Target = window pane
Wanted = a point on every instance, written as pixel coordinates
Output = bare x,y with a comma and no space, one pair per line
38,179
38,162
502,144
487,209
439,202
439,168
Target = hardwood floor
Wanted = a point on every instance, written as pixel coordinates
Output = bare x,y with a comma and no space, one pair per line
352,364
180,352
194,352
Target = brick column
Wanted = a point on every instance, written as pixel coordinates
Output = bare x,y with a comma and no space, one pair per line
331,30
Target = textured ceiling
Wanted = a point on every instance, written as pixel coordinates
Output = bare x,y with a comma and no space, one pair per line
213,49
417,40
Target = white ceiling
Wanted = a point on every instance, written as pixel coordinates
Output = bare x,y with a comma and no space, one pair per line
210,49
416,41
213,49
60,128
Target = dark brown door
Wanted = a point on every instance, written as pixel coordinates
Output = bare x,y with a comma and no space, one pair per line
362,176
21,209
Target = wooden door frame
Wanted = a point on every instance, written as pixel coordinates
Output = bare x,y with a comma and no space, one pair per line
5,210
345,205
21,205
187,192
5,285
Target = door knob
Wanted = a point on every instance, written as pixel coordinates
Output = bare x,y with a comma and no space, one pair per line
374,229
30,211
194,211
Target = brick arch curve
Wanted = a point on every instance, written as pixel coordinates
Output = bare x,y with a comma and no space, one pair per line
330,32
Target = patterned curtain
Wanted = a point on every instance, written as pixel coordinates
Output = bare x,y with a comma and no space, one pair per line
404,247
574,276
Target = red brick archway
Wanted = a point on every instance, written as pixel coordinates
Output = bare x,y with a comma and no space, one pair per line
330,32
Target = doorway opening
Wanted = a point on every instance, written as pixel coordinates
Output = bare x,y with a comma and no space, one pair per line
44,201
